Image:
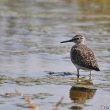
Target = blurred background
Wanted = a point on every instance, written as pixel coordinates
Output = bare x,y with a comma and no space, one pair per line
30,36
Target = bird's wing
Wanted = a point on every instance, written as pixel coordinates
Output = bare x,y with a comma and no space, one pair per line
84,57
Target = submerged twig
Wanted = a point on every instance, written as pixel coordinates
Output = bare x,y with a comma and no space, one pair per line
35,106
28,100
58,104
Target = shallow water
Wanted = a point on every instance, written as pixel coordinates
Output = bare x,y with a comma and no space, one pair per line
35,63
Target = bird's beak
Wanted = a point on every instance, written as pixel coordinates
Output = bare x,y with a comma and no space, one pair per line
71,40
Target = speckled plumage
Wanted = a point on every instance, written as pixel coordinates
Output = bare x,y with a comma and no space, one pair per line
83,56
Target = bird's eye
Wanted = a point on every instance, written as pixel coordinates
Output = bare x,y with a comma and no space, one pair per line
77,38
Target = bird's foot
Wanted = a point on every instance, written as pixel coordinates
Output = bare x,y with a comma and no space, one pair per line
80,78
90,77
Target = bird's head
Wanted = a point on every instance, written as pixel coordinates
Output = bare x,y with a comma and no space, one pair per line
78,39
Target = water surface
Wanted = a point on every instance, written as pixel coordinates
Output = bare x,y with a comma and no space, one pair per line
30,36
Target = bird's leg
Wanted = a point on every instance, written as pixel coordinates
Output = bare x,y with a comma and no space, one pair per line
77,73
77,80
90,76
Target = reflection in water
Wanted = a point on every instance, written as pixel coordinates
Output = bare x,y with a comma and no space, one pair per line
81,92
30,35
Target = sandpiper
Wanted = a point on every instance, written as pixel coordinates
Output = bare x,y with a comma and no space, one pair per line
82,56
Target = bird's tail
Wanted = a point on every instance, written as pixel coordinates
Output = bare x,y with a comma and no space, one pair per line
97,69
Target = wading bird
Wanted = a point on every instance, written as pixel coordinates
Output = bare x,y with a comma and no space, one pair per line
82,56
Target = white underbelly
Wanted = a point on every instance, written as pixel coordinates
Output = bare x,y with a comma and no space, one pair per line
83,68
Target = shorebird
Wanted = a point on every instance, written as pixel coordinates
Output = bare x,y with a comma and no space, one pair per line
82,56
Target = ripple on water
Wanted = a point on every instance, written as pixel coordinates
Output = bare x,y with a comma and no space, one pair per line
33,60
